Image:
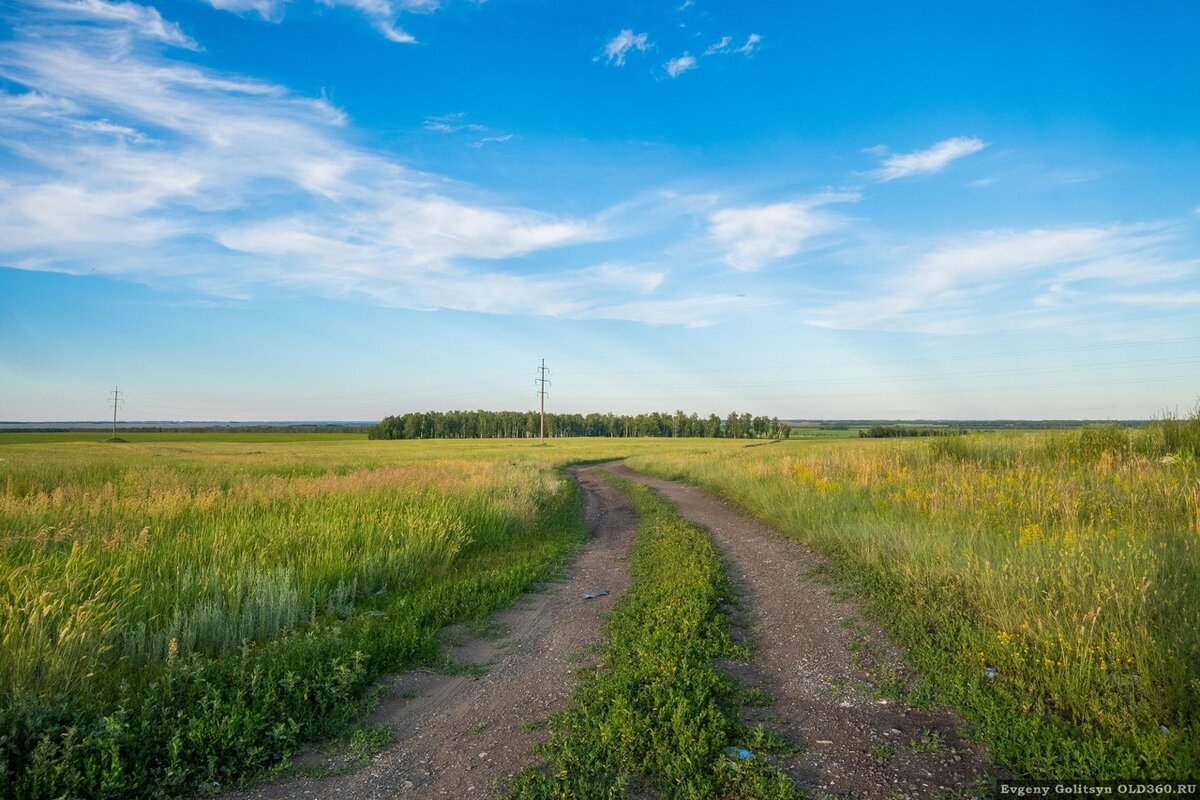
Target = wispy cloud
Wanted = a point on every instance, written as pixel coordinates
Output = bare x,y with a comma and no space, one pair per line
641,278
121,161
1159,299
689,312
452,123
622,43
751,44
497,139
757,235
719,47
457,123
677,66
143,21
725,45
925,162
957,281
382,14
267,9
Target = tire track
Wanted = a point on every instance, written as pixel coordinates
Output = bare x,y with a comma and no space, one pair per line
457,736
815,655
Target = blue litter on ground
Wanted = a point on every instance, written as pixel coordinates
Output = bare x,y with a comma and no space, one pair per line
740,753
595,594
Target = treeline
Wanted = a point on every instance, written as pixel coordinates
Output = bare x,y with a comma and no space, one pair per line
525,425
897,431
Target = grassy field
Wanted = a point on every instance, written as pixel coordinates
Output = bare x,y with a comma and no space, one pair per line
179,612
1047,584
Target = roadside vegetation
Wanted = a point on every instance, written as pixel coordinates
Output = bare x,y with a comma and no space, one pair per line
657,711
1047,584
176,619
181,612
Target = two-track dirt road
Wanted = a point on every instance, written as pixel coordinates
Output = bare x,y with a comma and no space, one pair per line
458,736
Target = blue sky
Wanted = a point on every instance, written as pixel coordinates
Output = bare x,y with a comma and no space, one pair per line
341,209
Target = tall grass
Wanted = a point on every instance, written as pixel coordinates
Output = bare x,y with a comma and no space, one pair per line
174,619
108,573
1069,562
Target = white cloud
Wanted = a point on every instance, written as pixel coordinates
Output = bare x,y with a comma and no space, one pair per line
267,9
639,278
926,162
143,21
121,161
457,123
452,123
719,47
497,139
689,312
996,272
1160,299
1130,269
757,235
677,66
724,46
383,14
622,43
751,44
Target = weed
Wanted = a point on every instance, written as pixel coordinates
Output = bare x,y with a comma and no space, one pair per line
930,742
883,751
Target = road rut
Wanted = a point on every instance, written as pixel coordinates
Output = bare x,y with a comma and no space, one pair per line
820,660
458,736
812,652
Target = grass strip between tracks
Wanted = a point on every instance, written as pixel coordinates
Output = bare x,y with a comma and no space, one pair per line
656,710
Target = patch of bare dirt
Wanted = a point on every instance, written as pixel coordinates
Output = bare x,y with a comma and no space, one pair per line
459,735
822,663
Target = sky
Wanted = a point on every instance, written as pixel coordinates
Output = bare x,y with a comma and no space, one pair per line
345,209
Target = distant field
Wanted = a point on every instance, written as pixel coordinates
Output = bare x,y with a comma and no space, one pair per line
22,437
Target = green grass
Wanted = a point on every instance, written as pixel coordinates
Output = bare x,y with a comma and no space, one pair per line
656,711
1068,562
187,609
174,618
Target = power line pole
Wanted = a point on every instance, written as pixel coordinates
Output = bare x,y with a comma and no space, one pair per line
116,403
541,381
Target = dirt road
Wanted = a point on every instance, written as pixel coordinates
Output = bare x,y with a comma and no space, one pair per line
821,662
456,736
459,736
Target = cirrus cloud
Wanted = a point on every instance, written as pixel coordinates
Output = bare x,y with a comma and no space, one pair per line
622,43
926,162
677,66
